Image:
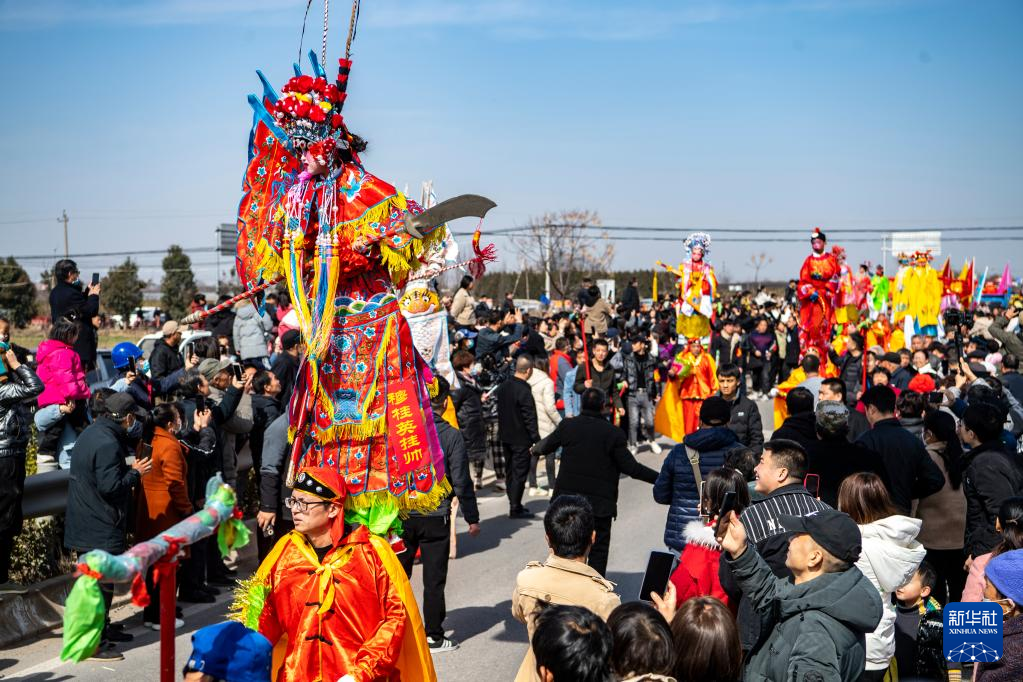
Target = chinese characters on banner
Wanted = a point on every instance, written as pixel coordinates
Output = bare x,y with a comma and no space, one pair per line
406,429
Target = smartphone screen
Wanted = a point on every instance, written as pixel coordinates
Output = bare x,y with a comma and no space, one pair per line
934,397
238,373
95,278
658,570
200,403
727,505
699,507
812,483
145,451
131,364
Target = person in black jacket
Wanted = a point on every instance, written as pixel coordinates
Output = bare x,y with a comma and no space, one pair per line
990,475
594,456
468,402
832,457
630,299
99,498
204,457
266,407
791,359
287,362
431,533
22,385
911,472
850,368
165,359
600,375
68,300
745,421
800,425
517,429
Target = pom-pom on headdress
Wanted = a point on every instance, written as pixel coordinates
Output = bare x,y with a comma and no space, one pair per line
838,251
701,239
817,234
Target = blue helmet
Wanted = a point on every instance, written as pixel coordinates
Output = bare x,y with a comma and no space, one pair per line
122,351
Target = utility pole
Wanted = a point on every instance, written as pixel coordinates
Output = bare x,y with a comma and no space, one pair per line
547,264
64,219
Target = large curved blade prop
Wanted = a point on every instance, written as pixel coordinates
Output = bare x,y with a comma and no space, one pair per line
462,206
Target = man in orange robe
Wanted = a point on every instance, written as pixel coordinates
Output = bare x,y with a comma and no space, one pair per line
818,282
334,600
691,380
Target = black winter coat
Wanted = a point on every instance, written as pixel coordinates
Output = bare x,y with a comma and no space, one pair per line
265,410
594,456
747,424
635,366
911,471
164,360
516,413
285,367
15,427
801,428
990,476
99,497
456,463
850,371
676,485
221,324
835,459
206,455
468,401
63,299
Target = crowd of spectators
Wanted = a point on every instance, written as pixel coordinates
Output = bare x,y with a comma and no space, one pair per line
891,486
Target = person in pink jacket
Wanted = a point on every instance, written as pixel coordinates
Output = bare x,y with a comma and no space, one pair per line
60,368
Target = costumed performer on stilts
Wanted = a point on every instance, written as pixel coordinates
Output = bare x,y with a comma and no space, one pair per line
332,597
846,311
692,378
818,283
698,289
880,291
345,242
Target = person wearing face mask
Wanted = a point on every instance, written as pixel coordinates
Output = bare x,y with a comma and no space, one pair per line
100,491
1004,586
163,500
132,381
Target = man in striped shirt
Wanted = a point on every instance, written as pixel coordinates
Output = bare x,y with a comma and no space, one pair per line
780,478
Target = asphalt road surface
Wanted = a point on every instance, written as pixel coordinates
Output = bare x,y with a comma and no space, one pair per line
480,584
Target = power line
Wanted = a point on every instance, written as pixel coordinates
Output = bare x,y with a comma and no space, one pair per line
50,256
525,229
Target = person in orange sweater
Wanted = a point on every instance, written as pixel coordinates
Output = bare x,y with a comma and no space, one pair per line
163,500
697,571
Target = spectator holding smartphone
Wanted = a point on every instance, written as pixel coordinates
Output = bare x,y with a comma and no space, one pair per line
100,493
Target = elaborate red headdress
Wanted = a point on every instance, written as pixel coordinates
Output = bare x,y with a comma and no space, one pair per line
309,111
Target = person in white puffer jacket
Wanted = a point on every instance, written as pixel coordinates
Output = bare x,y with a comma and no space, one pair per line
890,557
547,419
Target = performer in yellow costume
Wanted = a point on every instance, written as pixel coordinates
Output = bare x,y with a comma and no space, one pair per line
919,288
698,288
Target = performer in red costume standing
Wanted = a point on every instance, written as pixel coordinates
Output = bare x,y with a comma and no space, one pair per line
818,283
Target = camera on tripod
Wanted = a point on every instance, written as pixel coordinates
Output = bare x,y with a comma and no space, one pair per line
955,318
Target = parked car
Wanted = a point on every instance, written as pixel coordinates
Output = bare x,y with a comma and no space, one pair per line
104,374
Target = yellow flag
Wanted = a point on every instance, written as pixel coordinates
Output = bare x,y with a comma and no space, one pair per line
653,289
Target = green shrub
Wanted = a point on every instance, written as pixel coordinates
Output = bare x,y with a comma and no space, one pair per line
39,552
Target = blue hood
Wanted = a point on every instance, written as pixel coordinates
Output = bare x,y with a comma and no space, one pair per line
714,438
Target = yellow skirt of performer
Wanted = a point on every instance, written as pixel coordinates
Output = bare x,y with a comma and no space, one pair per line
694,326
676,416
847,314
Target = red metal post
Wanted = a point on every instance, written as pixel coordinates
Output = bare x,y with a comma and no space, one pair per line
167,572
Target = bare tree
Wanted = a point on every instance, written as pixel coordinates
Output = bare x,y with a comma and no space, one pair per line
757,261
563,244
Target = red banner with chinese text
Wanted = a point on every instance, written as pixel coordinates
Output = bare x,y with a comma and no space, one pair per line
407,444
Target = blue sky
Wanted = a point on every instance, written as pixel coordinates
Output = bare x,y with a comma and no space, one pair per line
784,114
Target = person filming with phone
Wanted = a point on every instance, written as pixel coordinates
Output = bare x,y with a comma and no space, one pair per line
99,495
813,626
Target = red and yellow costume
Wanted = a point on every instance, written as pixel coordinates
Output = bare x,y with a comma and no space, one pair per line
695,380
336,234
818,282
698,288
845,296
353,613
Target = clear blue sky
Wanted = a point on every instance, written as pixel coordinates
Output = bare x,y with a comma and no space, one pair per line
786,113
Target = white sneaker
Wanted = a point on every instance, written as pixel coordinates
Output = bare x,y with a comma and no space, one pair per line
538,492
439,646
178,624
633,450
655,448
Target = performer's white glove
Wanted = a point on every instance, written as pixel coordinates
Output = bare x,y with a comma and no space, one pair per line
773,393
346,678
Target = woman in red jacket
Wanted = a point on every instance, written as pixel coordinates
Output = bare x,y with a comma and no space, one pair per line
697,571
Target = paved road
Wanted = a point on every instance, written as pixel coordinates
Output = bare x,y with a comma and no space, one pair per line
480,583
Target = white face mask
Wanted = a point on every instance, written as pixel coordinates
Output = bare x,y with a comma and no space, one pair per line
1007,604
